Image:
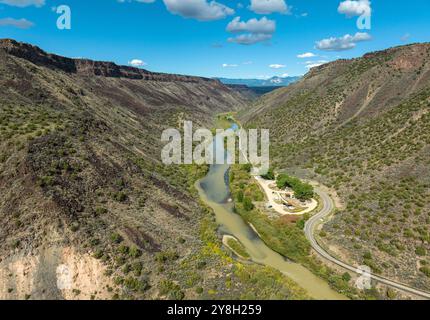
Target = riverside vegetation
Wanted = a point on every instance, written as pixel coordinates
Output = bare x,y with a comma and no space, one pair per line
362,127
81,180
285,235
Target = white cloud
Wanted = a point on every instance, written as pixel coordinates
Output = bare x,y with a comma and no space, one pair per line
346,42
21,23
277,66
250,38
312,64
353,8
276,80
285,75
24,3
270,6
226,65
318,61
306,55
142,1
137,63
201,10
405,37
254,30
263,25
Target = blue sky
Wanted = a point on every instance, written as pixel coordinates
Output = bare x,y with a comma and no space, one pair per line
207,38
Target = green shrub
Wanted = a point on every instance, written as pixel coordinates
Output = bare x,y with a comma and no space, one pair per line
247,204
137,268
120,196
95,242
46,181
74,227
346,277
101,210
426,271
421,251
137,285
391,294
123,249
367,256
238,248
247,167
302,191
135,252
270,175
201,264
171,290
126,269
116,238
98,254
240,196
177,295
165,256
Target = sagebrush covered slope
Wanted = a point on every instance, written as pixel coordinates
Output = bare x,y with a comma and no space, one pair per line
362,127
82,184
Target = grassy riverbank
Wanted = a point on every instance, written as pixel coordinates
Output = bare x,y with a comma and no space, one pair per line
234,245
243,281
231,279
208,270
224,120
285,236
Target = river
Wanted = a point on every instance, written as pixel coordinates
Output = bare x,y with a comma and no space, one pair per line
214,191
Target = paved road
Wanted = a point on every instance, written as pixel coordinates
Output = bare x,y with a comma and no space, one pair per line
316,220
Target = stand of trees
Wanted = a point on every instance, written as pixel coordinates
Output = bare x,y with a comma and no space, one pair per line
270,175
302,191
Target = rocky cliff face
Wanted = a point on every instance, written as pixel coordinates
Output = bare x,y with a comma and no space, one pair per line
82,185
87,67
138,89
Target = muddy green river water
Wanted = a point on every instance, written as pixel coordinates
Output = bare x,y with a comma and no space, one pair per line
214,191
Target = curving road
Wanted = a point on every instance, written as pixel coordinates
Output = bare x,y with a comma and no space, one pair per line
318,219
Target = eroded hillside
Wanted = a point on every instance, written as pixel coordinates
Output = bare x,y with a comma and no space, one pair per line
362,127
84,194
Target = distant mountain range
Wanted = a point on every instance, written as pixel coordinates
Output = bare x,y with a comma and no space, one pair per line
272,82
